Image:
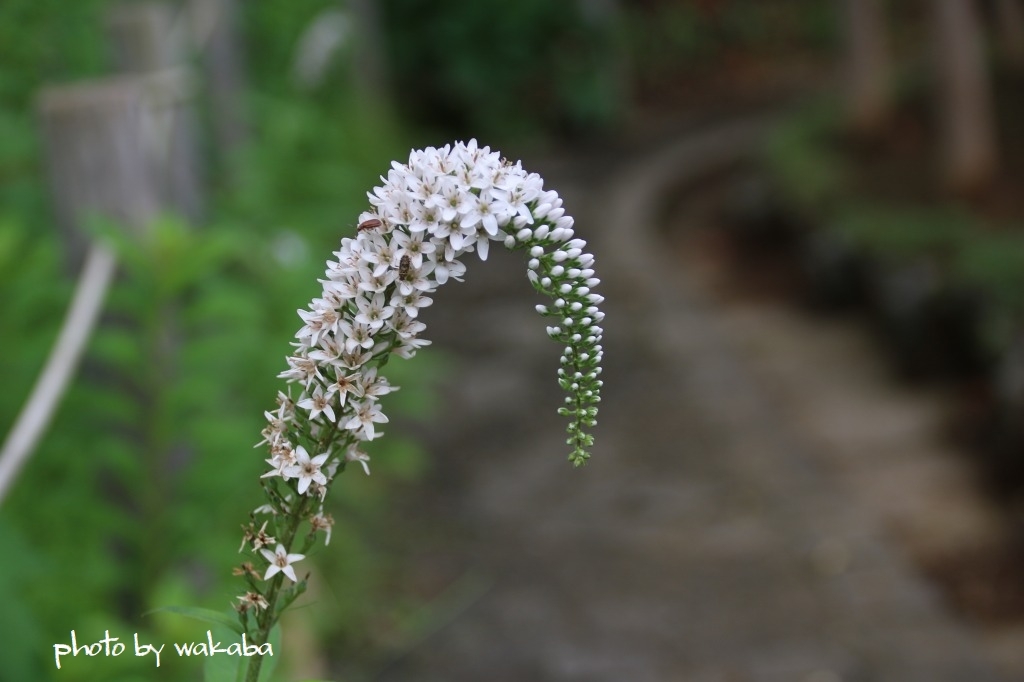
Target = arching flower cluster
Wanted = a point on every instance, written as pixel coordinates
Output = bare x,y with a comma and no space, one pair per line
428,214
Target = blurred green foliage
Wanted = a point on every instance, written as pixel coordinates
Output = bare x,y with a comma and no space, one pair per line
311,169
41,41
148,468
801,157
28,326
808,159
495,68
994,261
692,31
904,232
662,36
135,496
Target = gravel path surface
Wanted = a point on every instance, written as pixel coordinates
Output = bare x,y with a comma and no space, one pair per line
707,540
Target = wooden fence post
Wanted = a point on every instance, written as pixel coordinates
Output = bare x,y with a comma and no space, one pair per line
866,74
369,61
94,136
1009,16
215,31
965,90
147,40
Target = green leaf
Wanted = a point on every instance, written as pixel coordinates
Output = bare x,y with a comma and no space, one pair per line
205,615
223,668
19,630
270,662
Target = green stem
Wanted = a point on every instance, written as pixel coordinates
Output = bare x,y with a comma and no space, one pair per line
266,619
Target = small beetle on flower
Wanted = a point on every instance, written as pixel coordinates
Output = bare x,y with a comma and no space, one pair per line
371,224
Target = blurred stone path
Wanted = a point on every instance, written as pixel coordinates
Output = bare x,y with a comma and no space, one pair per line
709,539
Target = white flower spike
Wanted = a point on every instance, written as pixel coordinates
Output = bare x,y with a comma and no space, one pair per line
432,211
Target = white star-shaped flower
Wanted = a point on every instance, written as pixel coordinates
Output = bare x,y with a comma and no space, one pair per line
414,246
306,469
372,311
366,414
318,403
281,562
